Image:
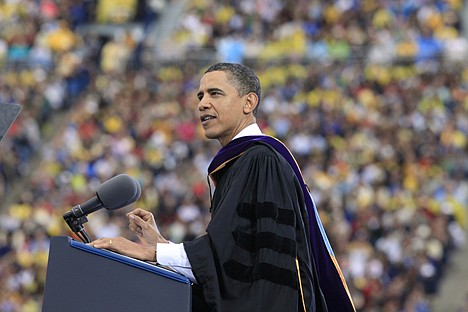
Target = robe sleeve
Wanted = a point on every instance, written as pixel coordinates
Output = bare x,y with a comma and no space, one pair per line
247,259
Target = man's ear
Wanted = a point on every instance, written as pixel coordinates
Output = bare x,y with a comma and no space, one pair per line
251,102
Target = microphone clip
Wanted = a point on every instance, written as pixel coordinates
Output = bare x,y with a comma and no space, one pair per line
76,225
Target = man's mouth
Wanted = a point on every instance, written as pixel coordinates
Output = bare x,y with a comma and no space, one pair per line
205,118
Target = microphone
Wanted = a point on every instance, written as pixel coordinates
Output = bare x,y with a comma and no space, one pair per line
115,193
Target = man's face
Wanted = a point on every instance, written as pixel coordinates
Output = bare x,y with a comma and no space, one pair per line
223,112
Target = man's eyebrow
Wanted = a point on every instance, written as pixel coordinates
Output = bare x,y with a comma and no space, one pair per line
209,90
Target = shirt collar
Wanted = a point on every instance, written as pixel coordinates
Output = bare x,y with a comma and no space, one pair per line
252,129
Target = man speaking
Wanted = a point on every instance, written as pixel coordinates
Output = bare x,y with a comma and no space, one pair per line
264,248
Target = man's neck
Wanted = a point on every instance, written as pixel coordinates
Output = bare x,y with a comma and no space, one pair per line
252,129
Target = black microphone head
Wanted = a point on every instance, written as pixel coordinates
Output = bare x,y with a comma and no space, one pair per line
118,192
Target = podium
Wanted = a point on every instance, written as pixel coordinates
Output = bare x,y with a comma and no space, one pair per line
8,114
83,278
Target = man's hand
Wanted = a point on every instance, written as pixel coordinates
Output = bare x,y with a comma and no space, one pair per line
126,247
143,224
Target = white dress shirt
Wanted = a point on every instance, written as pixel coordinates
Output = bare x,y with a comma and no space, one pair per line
174,255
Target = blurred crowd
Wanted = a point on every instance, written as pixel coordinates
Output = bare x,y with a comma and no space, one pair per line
370,96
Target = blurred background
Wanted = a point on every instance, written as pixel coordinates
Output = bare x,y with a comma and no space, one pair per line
371,96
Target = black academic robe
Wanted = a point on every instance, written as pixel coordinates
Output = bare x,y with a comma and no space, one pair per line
257,238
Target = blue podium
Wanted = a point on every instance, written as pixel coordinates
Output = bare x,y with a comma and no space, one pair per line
83,278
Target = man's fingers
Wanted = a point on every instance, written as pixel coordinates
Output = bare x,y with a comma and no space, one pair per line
135,228
138,212
135,219
106,243
143,214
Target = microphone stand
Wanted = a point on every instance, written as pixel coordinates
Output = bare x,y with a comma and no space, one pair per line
76,225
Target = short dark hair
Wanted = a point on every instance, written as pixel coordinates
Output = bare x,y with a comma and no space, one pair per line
244,78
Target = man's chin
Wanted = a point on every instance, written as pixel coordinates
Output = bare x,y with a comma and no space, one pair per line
210,135
215,136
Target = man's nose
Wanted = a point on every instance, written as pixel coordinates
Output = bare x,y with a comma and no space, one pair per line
203,104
